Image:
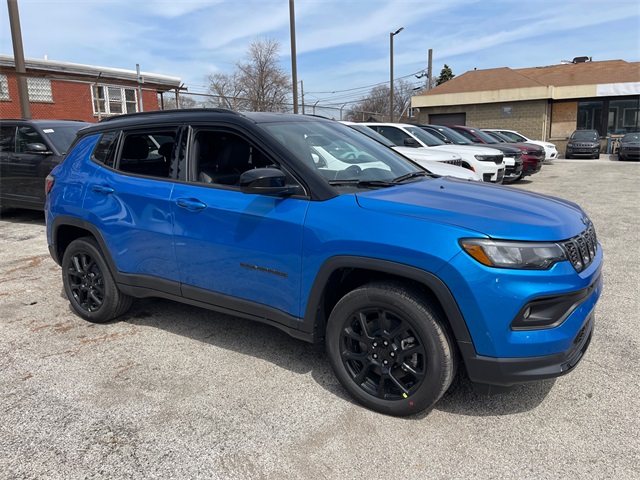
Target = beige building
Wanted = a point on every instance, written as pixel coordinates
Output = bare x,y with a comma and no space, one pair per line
546,103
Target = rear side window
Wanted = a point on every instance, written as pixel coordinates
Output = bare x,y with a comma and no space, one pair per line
148,153
105,151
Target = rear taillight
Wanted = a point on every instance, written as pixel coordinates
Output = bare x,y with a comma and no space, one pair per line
48,183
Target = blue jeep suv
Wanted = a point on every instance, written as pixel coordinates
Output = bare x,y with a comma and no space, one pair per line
308,225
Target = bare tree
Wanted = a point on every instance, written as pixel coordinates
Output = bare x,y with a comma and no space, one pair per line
403,91
226,91
377,102
264,84
258,85
184,102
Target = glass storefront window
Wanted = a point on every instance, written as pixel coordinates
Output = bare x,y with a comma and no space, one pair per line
590,115
624,116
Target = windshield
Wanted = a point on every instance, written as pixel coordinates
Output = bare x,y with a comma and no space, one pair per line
585,135
514,136
453,136
424,137
62,137
342,156
499,136
369,132
485,137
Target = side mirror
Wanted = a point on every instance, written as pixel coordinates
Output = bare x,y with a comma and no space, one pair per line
411,142
37,148
265,181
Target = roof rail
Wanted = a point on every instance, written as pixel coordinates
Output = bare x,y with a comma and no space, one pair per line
166,112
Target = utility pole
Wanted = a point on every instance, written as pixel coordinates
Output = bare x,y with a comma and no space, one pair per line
140,81
294,67
430,69
18,57
391,35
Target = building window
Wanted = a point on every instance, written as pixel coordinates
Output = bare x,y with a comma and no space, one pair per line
624,116
4,88
590,116
110,100
39,90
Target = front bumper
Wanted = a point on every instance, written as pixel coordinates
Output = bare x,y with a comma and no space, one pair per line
489,372
531,166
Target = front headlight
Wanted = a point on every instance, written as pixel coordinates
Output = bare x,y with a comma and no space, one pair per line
519,255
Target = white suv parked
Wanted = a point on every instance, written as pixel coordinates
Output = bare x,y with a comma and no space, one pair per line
486,162
441,163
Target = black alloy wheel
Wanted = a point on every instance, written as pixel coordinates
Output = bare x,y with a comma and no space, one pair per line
389,349
88,283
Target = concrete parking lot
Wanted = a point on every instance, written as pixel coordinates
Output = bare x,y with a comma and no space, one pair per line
172,391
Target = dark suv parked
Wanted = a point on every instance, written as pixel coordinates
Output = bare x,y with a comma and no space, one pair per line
583,143
29,149
402,274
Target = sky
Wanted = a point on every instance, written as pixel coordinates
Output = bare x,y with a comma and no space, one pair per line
342,46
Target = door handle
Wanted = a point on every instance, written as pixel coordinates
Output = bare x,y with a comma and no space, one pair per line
102,189
192,204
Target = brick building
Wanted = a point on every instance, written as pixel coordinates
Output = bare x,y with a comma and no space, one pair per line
546,103
69,91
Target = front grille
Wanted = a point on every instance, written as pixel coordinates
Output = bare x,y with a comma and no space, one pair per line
582,248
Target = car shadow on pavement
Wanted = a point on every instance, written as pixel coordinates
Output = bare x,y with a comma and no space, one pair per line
463,399
269,344
18,215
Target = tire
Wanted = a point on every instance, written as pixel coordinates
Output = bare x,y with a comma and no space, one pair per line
596,156
89,285
567,155
389,349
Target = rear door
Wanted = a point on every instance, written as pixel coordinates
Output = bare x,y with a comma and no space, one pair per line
128,199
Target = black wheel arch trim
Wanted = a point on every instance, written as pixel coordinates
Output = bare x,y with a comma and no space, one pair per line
431,281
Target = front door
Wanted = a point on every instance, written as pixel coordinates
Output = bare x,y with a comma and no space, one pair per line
232,248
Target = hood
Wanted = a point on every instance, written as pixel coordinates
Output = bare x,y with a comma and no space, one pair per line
505,148
586,142
468,149
422,153
446,170
492,210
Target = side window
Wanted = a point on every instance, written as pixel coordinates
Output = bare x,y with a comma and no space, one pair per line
25,136
468,135
397,136
221,157
7,138
105,151
148,153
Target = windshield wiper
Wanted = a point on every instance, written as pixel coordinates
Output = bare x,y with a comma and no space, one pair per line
409,176
362,183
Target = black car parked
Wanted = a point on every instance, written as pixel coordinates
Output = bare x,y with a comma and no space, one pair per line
29,149
629,147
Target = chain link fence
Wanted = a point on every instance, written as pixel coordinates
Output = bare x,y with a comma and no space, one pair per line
171,100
